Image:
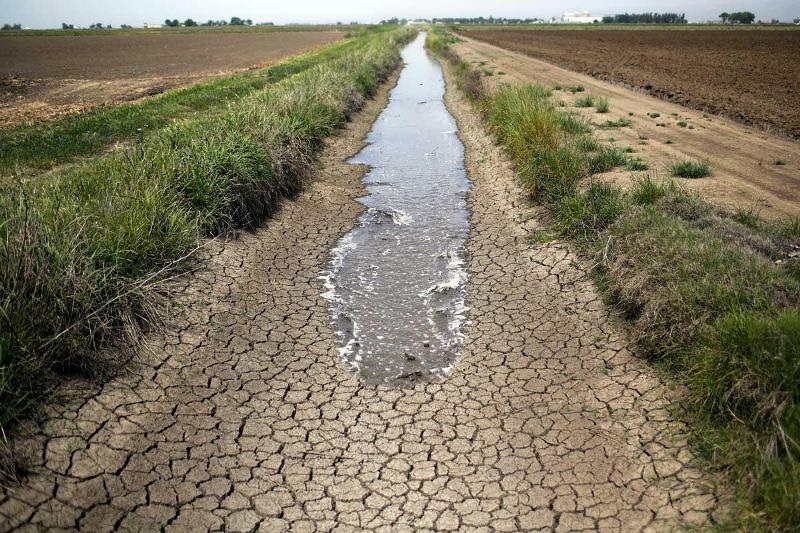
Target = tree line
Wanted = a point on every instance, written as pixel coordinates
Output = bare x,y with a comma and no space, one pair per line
646,18
487,20
468,20
189,23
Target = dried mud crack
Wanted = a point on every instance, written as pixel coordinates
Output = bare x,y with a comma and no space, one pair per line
241,416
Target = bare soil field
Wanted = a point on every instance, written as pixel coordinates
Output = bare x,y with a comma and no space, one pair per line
752,169
750,76
47,76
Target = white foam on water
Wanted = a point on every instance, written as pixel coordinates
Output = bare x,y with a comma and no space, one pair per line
339,252
400,217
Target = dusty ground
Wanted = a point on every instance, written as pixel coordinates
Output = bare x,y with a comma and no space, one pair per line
46,76
243,416
752,76
743,158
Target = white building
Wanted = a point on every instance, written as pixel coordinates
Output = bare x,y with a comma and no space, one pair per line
152,25
579,17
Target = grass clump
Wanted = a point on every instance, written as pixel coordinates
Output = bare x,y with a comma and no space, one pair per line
83,250
606,159
690,169
619,123
585,214
779,162
636,165
541,236
601,104
576,89
585,101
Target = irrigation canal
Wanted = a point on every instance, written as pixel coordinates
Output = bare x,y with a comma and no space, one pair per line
396,281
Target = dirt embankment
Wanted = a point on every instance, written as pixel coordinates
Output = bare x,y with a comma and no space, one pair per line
47,76
751,76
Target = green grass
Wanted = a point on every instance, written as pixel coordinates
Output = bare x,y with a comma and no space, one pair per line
690,169
710,295
585,101
44,145
540,237
585,213
83,249
636,165
601,104
619,123
779,162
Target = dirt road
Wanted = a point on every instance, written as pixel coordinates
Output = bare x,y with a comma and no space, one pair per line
743,159
243,416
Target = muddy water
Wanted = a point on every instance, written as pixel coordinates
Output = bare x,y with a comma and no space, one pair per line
396,282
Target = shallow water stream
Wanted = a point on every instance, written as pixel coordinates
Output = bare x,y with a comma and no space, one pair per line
396,281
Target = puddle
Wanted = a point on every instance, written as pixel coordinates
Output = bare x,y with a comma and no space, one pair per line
396,282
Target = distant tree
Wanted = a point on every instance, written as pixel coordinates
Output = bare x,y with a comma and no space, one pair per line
125,26
97,26
189,23
724,17
11,27
742,17
236,21
172,23
797,21
109,27
249,22
65,26
646,18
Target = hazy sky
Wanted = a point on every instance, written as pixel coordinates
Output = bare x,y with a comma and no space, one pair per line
51,13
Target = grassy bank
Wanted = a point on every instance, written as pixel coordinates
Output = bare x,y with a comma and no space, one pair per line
84,250
41,146
711,295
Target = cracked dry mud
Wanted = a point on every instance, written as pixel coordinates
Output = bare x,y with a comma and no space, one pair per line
241,416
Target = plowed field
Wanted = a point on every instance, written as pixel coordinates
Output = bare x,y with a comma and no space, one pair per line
751,76
46,76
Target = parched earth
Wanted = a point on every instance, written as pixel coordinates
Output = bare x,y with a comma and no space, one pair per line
242,416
